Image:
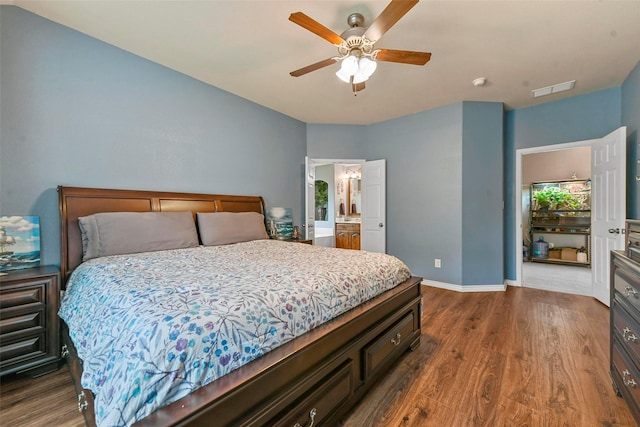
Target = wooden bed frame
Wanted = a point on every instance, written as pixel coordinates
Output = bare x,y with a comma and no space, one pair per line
314,379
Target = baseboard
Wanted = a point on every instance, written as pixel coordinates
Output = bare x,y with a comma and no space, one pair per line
467,288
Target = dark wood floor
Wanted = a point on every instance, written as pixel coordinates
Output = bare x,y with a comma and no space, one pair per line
523,357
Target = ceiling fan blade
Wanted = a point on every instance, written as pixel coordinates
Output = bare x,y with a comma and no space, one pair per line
315,27
403,56
387,19
357,87
313,67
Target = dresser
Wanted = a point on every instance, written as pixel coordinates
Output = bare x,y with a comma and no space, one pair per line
625,319
29,326
348,235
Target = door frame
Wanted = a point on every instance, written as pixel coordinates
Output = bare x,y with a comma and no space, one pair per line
518,222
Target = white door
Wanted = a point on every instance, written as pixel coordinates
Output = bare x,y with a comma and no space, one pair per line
373,233
607,206
310,199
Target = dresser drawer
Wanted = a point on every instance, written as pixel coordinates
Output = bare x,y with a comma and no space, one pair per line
326,396
626,329
626,377
33,347
390,341
626,283
633,245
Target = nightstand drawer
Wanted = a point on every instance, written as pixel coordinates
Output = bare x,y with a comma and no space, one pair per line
23,350
20,323
29,326
19,297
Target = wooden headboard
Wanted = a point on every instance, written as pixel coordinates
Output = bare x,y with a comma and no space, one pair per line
76,202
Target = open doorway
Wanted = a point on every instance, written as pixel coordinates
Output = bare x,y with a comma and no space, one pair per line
337,203
556,239
607,204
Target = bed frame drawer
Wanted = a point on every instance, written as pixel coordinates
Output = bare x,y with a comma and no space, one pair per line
388,343
328,395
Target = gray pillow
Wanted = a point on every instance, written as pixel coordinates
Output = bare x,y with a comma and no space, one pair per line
221,228
117,233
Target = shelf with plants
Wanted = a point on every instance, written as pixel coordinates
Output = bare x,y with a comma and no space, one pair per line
561,208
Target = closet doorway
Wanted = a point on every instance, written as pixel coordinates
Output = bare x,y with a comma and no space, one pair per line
555,171
608,175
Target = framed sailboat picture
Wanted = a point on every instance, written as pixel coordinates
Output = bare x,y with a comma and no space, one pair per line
19,242
279,223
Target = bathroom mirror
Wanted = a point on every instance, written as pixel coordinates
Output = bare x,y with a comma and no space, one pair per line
322,200
354,197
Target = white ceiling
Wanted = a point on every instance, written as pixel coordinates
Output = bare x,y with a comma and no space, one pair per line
248,48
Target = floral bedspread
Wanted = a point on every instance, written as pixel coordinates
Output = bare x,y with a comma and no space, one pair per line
152,327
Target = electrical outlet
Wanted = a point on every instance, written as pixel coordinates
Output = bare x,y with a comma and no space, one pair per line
437,263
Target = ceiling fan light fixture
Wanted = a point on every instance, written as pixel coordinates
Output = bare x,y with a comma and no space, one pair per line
349,65
343,76
367,66
359,77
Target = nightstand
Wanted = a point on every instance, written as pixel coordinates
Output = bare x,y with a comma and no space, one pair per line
305,241
29,326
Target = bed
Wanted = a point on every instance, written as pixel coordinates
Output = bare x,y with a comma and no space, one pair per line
313,377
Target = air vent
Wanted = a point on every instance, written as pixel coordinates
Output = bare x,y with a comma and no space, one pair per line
560,87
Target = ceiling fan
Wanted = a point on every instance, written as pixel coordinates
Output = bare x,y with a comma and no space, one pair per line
356,45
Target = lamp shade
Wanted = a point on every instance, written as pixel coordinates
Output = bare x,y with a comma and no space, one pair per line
367,66
343,76
359,77
349,65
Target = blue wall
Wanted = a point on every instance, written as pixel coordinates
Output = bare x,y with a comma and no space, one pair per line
482,193
631,119
79,112
438,161
572,119
424,181
335,141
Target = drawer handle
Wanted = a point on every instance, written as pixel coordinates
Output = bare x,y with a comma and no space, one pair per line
629,335
628,382
628,291
82,402
396,340
64,351
312,415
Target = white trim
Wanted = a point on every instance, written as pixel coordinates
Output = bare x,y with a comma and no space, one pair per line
320,162
518,193
468,288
